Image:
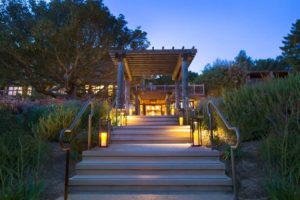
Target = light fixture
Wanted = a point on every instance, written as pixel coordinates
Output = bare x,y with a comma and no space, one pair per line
181,121
123,119
103,135
196,136
103,139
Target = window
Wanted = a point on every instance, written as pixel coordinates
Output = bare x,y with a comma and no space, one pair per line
13,90
94,88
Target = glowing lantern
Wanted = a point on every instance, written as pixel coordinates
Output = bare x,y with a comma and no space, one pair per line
123,119
181,121
172,111
103,139
196,135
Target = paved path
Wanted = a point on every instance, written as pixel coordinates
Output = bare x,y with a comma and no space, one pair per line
180,196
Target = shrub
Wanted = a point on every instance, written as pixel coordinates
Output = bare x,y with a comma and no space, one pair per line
22,157
271,111
252,108
54,118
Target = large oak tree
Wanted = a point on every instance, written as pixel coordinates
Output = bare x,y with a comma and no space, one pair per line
61,44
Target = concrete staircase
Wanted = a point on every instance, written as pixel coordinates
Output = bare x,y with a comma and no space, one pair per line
150,156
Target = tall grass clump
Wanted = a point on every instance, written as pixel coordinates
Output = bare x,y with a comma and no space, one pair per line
23,155
54,118
271,111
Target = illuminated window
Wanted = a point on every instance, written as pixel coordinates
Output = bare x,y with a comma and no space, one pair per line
95,88
110,90
29,91
13,91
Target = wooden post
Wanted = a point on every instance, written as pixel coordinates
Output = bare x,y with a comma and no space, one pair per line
137,105
177,103
168,105
185,84
119,102
127,95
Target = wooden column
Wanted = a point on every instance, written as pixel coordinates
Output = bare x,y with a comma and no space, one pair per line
119,101
185,84
177,103
127,95
137,105
168,105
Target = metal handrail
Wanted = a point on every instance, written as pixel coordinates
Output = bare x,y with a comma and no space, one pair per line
232,147
69,130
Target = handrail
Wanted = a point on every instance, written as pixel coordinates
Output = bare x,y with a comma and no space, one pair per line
232,147
69,130
227,124
74,123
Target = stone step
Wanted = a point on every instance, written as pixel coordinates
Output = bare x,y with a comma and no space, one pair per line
152,132
169,127
151,153
152,117
147,183
148,139
151,123
150,168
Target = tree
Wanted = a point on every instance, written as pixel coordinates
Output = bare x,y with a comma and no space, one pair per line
291,47
62,44
270,64
223,74
192,76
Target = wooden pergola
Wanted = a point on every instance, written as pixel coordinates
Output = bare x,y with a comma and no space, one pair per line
138,64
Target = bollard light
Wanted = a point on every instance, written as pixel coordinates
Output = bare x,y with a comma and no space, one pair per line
123,119
103,139
181,121
196,134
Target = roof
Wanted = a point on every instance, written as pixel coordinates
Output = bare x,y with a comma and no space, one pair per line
146,63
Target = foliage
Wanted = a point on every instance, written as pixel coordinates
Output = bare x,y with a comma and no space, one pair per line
61,44
221,75
21,161
55,118
271,111
291,46
270,64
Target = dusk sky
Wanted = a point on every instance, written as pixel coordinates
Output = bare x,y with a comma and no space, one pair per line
217,28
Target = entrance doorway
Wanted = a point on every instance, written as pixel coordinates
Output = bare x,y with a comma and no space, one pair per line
155,110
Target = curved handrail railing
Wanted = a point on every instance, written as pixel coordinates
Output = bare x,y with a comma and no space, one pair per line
75,122
69,130
232,147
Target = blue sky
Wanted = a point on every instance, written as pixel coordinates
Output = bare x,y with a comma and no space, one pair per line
217,28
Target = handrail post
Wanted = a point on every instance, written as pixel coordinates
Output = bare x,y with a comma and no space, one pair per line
233,174
67,174
232,147
211,136
89,131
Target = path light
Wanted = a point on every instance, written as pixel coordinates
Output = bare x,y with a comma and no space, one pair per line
196,133
180,118
103,139
181,121
123,118
103,135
